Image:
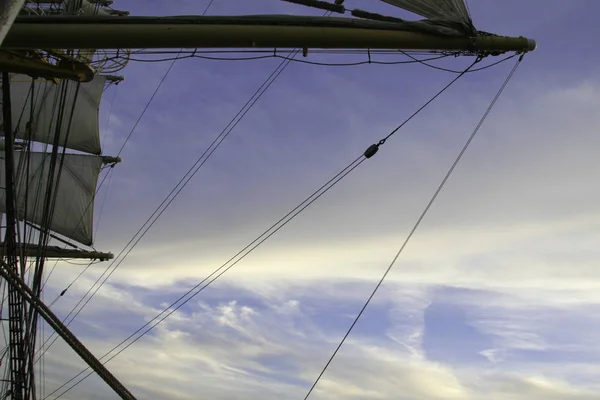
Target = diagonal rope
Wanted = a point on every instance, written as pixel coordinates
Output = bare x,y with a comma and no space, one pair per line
194,291
416,226
153,218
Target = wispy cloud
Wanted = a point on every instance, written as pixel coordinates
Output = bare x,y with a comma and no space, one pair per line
495,297
259,346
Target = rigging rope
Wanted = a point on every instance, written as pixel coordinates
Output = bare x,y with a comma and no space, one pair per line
177,189
109,176
194,291
146,106
369,60
275,55
292,60
54,337
48,213
416,225
30,315
164,77
151,220
425,63
28,102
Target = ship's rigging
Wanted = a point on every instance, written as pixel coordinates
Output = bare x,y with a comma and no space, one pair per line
56,59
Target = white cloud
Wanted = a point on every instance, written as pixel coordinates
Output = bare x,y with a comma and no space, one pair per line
522,190
517,218
230,349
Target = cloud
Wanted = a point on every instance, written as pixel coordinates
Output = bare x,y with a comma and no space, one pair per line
497,208
496,295
522,259
233,343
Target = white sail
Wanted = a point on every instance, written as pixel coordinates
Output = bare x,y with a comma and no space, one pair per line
84,7
73,212
454,10
84,130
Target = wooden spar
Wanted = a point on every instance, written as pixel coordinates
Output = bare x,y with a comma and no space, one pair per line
32,250
238,32
66,69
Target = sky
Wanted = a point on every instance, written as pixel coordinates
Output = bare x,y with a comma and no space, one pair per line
495,296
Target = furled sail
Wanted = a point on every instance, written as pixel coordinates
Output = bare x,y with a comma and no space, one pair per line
84,7
439,10
84,129
73,212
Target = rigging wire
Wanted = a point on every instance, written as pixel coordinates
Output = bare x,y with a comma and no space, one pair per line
121,149
147,221
70,261
29,316
42,364
68,287
171,196
97,189
262,57
50,200
147,105
90,203
110,110
209,155
208,6
326,64
194,291
160,83
274,54
177,189
49,209
110,174
424,62
19,170
182,183
124,143
174,192
413,60
416,225
114,55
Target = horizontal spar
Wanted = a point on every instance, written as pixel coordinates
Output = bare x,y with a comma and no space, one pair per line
240,32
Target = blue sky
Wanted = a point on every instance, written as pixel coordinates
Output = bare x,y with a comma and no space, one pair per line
496,296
